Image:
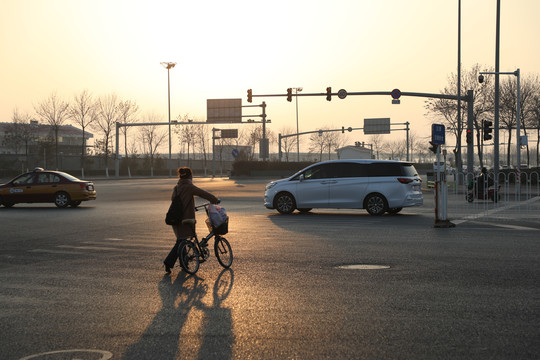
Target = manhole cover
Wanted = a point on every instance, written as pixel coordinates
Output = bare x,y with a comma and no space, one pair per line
364,267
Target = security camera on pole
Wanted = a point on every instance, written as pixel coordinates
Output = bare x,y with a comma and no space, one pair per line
441,189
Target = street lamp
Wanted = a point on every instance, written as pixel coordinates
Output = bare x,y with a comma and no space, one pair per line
169,66
297,90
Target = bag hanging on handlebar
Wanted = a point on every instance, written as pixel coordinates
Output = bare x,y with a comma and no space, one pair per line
175,212
217,215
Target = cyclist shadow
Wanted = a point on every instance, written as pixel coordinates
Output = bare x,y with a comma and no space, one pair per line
161,339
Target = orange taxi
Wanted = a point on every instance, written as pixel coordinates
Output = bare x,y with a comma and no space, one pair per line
44,186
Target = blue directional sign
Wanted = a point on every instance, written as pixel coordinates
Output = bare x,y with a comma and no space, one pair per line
438,134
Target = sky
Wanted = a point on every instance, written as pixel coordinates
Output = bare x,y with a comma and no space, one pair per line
223,48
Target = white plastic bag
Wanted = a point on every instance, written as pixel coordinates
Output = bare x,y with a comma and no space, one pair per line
217,215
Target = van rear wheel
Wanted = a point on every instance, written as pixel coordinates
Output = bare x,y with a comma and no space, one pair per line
376,204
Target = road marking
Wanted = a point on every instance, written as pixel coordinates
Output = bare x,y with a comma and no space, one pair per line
105,355
147,245
56,251
88,247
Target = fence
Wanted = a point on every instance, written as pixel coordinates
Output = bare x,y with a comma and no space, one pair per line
516,197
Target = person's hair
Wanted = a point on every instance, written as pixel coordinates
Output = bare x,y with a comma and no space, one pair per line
185,173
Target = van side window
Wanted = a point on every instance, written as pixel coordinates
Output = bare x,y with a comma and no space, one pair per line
317,172
345,170
384,169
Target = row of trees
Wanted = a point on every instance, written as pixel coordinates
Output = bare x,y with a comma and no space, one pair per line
99,115
446,111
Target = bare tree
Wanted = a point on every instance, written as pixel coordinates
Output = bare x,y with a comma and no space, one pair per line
83,113
317,143
377,142
288,144
19,133
152,137
54,112
202,141
535,123
445,110
254,136
107,115
529,90
186,134
127,114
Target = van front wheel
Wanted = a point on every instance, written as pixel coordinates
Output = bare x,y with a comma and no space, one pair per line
285,203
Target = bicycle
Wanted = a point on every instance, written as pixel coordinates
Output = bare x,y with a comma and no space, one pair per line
191,253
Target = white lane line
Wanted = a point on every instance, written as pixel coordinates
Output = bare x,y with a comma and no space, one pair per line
56,251
88,247
146,245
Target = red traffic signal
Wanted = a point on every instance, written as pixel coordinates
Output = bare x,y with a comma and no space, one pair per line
329,93
469,136
289,94
250,95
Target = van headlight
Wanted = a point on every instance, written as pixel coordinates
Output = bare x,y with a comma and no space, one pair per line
270,185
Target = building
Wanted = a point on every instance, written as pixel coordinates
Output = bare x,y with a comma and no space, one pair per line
355,152
31,139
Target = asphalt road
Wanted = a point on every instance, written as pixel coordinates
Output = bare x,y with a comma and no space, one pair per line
87,283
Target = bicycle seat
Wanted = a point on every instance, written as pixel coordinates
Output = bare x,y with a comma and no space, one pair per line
189,221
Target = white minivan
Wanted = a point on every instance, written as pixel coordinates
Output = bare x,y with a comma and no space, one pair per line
378,186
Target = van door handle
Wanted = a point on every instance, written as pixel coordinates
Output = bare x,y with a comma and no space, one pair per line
329,182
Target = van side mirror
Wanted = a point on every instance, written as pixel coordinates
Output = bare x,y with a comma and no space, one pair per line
301,177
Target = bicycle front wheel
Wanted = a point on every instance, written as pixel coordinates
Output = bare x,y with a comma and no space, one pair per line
223,252
189,257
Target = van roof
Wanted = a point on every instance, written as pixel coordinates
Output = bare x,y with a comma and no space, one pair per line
363,161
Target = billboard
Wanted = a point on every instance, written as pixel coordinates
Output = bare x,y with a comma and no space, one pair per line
377,126
224,110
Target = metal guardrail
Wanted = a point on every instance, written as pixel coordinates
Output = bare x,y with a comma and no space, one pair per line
510,202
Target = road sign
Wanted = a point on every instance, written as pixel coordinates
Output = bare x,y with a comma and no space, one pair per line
396,93
377,126
224,110
229,133
342,94
438,134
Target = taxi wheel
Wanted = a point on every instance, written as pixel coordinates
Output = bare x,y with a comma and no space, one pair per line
6,204
61,199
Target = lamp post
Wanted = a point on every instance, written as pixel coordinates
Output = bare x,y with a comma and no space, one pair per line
169,66
297,90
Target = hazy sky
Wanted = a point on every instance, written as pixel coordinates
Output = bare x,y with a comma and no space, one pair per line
222,48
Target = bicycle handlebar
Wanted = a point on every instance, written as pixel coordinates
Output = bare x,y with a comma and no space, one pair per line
205,205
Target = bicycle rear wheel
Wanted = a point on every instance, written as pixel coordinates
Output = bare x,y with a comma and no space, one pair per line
223,252
189,257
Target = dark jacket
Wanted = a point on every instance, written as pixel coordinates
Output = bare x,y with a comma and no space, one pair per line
186,190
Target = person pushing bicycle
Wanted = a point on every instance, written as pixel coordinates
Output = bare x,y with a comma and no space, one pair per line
186,191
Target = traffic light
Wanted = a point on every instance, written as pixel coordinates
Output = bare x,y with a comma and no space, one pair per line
487,130
329,93
250,95
469,136
433,147
289,94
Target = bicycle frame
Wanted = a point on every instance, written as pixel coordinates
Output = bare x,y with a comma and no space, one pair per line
203,254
